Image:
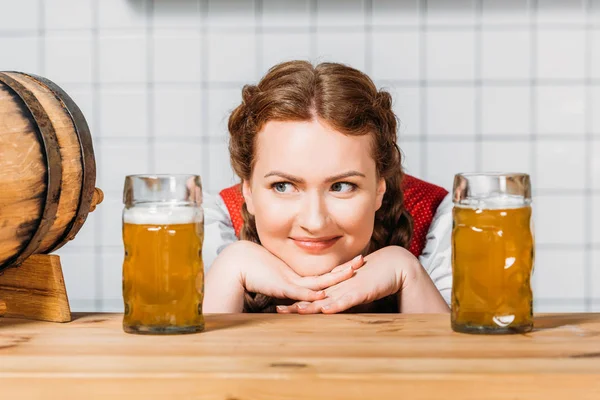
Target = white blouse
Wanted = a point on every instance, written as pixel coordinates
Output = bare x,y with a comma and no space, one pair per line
435,258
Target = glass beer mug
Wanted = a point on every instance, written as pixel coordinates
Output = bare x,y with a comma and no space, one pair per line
492,254
163,274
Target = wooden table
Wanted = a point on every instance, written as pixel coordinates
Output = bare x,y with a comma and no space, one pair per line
291,357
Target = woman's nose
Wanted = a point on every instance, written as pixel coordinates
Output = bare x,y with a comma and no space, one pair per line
313,214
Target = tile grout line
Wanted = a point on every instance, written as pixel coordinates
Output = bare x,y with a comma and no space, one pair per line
368,32
42,38
478,88
313,45
588,284
205,134
422,7
150,106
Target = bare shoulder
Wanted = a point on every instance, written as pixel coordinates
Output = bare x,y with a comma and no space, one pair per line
393,251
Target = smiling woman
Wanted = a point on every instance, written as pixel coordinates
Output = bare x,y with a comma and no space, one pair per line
325,227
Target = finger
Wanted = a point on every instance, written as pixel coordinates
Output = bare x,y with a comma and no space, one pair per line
355,263
311,308
295,292
292,309
326,280
340,304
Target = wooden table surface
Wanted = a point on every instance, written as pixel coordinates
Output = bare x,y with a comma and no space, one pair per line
250,356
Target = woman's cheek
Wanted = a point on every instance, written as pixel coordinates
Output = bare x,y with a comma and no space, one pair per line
353,214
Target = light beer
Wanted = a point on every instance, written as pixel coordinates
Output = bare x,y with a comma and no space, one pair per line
492,254
163,271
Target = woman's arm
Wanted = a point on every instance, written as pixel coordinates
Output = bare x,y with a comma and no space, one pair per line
246,266
388,271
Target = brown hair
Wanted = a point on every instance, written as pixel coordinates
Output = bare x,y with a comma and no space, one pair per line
346,99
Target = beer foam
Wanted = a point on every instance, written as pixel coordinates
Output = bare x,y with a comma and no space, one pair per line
495,202
162,215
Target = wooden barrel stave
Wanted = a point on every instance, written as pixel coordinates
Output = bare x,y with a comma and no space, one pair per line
46,155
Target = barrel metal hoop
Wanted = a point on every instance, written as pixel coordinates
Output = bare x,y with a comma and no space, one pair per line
88,163
46,132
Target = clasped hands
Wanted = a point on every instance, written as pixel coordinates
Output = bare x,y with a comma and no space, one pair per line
361,280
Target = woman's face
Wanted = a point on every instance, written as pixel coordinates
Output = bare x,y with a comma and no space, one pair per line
314,192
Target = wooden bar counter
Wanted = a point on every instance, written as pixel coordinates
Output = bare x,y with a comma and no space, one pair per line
343,356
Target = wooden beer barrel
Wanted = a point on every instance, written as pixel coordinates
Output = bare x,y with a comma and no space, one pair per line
47,168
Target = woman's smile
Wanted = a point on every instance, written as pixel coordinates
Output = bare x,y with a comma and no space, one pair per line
315,245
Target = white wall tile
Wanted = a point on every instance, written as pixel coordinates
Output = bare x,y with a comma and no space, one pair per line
231,13
176,13
450,55
79,272
566,306
69,58
177,111
406,104
19,15
558,219
79,15
560,165
505,110
595,218
504,12
450,111
231,57
179,157
558,274
594,109
445,159
112,275
560,11
411,150
220,174
177,56
118,159
506,156
221,103
395,55
20,54
122,14
280,47
595,268
112,219
596,165
122,58
560,54
123,112
455,12
340,13
395,12
594,37
560,110
506,54
286,13
347,48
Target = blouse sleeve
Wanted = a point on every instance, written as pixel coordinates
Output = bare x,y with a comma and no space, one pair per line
436,256
218,229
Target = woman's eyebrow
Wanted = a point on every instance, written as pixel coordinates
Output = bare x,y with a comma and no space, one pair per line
334,178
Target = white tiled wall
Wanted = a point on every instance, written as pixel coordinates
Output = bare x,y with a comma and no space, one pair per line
477,85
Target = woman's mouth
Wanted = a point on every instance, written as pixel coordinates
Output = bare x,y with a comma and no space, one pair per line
315,244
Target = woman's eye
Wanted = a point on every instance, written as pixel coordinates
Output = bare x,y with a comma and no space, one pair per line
344,187
280,187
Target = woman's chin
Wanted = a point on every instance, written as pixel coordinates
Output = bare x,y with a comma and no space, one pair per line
312,264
